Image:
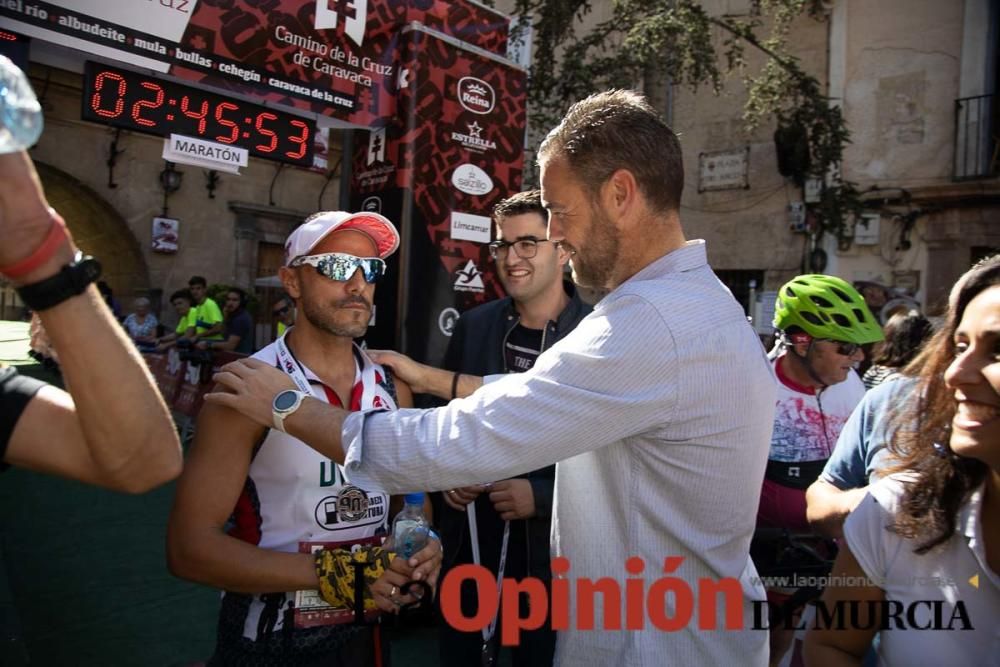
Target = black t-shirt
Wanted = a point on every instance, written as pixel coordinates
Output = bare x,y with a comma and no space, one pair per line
522,348
16,391
241,324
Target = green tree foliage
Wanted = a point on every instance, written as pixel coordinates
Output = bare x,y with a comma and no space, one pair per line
679,41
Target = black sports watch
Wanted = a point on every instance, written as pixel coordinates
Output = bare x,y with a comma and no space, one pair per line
71,280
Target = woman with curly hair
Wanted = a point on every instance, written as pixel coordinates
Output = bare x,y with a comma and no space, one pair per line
922,554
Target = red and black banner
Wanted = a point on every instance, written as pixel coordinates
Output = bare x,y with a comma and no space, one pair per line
338,58
438,172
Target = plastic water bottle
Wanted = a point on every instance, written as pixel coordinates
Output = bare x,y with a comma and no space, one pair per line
410,528
20,113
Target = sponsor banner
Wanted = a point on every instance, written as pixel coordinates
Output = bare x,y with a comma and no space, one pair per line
473,140
447,320
456,151
471,180
339,59
468,227
201,153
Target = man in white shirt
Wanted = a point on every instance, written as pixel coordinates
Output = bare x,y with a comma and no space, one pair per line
658,409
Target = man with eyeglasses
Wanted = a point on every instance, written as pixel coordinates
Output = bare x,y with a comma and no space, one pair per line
512,516
822,322
254,501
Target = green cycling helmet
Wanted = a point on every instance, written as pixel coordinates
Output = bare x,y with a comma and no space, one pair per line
826,307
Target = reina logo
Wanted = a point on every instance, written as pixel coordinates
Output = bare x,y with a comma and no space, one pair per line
471,180
476,95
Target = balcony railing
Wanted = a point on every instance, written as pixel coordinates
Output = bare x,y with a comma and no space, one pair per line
977,138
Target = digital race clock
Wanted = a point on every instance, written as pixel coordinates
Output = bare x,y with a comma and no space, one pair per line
138,102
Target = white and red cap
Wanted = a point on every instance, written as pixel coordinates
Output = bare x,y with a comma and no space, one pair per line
308,235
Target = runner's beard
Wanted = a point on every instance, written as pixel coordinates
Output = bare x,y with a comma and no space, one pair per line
325,318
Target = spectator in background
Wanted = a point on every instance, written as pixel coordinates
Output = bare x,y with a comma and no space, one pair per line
823,322
513,516
238,325
207,319
141,325
182,302
926,537
905,333
284,310
862,451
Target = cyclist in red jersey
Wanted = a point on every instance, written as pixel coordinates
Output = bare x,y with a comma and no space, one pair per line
822,323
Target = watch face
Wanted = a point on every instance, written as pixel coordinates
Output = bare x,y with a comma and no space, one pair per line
92,268
285,400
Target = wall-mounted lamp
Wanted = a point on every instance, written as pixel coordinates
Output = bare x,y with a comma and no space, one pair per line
211,182
170,181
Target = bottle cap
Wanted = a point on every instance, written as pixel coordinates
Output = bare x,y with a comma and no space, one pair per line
414,499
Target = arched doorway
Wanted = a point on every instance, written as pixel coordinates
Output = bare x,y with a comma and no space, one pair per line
99,230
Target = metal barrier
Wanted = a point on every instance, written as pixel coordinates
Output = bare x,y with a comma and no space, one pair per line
183,383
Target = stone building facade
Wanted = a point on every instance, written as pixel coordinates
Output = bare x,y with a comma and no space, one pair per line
916,81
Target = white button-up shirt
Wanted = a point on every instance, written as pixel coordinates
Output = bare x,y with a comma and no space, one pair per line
658,409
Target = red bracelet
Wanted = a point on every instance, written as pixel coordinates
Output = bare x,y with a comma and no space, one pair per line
55,238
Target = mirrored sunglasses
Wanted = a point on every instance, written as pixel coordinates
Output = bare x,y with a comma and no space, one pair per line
341,267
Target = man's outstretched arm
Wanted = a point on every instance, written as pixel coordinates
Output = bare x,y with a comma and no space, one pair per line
424,379
252,386
112,429
565,401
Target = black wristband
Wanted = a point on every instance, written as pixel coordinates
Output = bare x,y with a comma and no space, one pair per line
454,385
71,281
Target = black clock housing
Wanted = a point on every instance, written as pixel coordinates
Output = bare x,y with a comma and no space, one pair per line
127,99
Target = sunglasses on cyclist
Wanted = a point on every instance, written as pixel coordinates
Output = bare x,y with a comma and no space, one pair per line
278,312
341,267
845,349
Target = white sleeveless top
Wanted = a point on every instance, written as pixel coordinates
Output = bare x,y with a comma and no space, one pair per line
295,494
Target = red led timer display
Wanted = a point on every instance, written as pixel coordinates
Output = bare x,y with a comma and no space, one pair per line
138,102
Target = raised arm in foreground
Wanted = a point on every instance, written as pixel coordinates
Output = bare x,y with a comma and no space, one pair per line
112,428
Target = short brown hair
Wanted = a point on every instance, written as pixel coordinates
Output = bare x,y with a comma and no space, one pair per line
618,129
522,202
